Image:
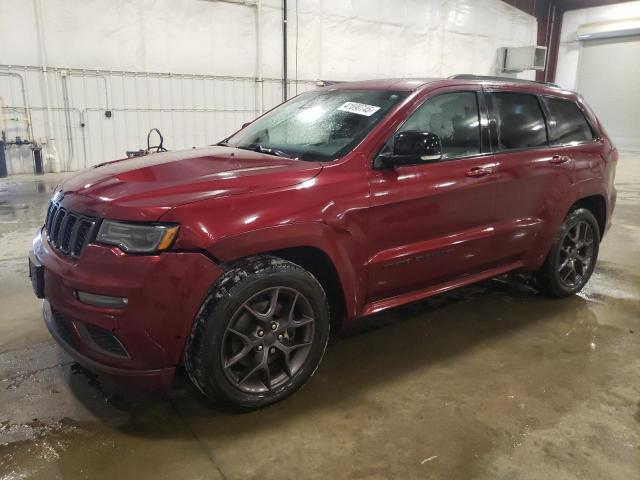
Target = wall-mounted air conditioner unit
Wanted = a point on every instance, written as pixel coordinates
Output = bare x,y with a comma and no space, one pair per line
519,59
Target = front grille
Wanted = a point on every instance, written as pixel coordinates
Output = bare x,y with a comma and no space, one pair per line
67,231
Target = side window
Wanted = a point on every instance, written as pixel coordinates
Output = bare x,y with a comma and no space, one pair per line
520,122
567,123
454,117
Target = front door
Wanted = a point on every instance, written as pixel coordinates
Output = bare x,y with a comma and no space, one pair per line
433,222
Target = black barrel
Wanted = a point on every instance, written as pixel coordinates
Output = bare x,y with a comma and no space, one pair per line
37,160
3,161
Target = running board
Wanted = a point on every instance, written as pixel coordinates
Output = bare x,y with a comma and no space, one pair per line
380,305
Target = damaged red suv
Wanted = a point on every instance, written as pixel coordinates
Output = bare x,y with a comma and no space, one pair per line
237,259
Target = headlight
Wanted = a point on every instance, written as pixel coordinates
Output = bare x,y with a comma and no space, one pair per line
137,237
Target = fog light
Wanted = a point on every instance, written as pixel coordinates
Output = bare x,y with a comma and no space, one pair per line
103,301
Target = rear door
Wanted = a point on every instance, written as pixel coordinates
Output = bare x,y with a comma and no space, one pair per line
568,128
534,178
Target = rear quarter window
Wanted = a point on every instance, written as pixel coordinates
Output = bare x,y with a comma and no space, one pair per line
567,123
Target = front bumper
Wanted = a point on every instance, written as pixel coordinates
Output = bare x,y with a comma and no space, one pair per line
141,343
70,340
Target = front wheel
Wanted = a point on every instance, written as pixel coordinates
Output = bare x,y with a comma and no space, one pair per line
259,335
572,257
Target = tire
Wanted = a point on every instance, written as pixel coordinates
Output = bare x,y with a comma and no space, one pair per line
232,334
564,271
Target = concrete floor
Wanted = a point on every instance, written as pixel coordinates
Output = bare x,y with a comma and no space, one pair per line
492,381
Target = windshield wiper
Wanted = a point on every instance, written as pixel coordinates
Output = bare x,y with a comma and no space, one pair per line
256,147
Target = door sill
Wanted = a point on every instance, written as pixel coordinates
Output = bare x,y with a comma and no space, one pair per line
415,295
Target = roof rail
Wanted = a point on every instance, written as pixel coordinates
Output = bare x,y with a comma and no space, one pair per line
466,76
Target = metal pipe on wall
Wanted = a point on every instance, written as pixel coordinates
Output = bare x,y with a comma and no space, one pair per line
84,139
171,110
25,99
97,74
284,51
111,73
64,110
260,80
3,159
51,144
67,119
224,111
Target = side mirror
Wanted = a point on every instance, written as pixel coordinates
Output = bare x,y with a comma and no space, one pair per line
412,148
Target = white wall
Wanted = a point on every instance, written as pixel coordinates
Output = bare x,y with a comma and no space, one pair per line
569,51
356,39
200,42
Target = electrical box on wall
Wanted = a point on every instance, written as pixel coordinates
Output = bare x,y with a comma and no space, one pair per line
519,59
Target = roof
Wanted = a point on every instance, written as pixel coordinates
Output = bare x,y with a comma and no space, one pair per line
400,84
411,84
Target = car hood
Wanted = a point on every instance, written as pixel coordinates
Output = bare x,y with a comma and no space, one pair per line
144,188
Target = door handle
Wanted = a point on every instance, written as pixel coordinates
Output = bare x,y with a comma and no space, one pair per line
559,159
478,172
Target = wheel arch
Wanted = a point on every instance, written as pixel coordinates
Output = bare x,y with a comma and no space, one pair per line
597,205
313,247
320,265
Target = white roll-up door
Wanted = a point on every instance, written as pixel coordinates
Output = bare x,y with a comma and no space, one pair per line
609,80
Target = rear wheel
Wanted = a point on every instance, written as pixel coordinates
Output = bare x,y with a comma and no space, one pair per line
572,257
259,335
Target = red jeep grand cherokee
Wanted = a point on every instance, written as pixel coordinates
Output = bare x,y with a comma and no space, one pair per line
236,259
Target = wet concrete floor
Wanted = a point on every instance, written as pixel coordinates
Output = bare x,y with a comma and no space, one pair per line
492,381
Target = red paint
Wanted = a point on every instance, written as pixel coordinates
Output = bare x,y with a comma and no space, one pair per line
393,236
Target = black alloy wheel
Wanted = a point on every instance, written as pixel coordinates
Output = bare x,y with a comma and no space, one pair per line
259,335
575,254
268,339
572,257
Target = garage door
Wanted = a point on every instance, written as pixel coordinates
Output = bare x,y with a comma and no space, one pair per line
609,79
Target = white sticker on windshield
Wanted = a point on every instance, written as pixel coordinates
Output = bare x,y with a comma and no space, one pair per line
359,108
